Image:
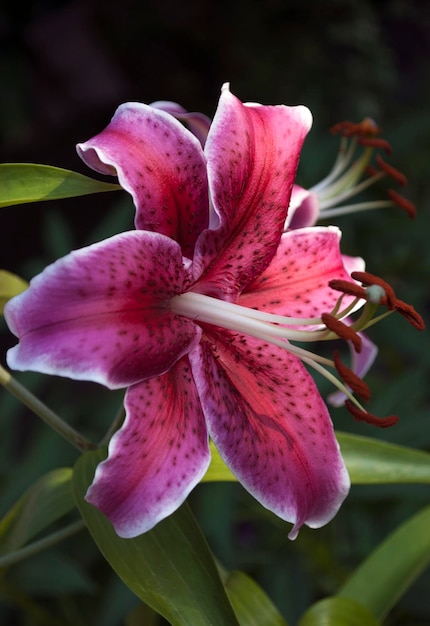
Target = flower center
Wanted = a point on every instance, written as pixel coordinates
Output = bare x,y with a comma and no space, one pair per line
281,330
277,329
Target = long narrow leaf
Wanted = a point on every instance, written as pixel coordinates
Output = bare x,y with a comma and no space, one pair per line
46,501
369,461
31,182
390,569
338,612
252,606
170,567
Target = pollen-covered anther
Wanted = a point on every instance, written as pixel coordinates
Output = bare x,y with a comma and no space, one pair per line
348,288
410,314
350,378
375,142
391,171
364,416
371,171
402,202
342,330
392,302
368,279
367,128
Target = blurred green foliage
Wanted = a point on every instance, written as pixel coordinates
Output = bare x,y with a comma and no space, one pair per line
64,68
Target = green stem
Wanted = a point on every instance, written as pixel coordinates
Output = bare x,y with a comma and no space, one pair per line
119,418
41,544
45,413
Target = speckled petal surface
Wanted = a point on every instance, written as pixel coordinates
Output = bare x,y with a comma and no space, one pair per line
101,313
197,123
252,154
296,282
161,164
271,426
157,457
361,362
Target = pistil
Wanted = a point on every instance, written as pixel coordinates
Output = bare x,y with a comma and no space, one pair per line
272,328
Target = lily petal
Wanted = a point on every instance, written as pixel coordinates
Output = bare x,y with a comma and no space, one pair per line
197,123
157,457
161,164
270,425
296,282
101,313
252,153
304,209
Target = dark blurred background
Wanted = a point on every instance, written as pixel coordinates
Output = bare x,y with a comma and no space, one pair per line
64,68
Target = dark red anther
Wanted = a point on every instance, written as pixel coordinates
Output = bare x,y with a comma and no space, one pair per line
350,378
371,171
402,202
342,330
369,418
366,128
347,287
393,303
347,129
409,313
375,142
391,171
368,279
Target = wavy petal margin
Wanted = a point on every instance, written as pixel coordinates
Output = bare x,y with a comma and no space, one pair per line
253,153
101,313
161,164
270,425
157,457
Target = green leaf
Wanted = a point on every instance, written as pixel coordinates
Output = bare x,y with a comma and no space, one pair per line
170,567
48,499
370,461
10,285
217,470
390,569
252,606
31,182
338,612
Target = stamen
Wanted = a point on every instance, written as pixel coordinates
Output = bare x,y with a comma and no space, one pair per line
350,378
348,129
202,308
345,286
402,202
364,416
409,313
368,279
392,302
342,330
371,171
391,171
375,142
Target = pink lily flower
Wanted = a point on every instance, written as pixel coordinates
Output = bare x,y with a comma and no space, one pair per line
330,197
196,314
